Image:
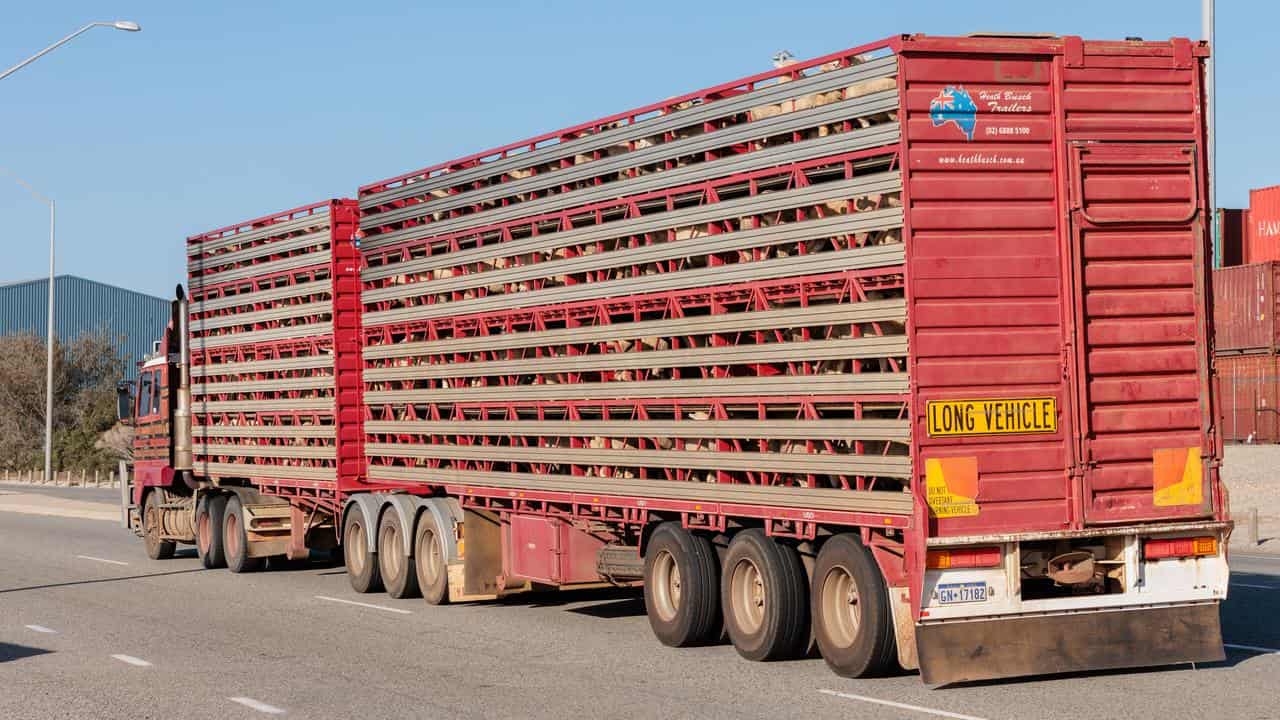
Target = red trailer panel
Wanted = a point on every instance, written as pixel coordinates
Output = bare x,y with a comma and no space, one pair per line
1250,392
1245,309
1264,225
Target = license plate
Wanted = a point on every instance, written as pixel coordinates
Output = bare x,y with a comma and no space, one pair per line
965,592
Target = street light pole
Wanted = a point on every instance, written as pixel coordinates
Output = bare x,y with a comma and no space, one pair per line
119,25
1210,91
127,26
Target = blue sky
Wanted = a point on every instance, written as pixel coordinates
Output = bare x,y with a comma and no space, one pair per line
226,110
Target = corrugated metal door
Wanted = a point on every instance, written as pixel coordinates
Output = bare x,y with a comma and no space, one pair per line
1139,235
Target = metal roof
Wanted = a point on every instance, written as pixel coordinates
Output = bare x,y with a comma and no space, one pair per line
130,318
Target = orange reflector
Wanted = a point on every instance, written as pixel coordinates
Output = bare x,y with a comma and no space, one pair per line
1179,547
962,558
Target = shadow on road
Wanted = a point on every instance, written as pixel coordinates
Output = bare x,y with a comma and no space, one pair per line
75,583
626,607
10,652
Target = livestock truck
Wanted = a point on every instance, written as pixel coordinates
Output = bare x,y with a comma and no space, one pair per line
901,352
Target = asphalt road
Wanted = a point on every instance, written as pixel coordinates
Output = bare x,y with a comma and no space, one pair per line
89,627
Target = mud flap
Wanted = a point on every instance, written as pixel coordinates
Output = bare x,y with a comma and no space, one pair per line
959,651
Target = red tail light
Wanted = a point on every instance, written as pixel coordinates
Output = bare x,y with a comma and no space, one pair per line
1179,547
962,558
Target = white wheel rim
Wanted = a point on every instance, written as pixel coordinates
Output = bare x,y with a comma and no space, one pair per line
747,597
667,586
841,606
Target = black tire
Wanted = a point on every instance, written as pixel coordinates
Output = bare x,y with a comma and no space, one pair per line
431,562
209,512
764,594
396,567
681,587
852,620
152,527
235,541
361,561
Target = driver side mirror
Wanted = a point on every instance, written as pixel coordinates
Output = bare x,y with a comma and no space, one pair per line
124,401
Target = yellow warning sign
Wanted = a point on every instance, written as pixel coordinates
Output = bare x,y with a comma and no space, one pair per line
1177,477
1002,416
951,486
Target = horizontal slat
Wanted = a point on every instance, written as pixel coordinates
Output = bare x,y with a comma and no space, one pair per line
306,289
810,351
802,462
293,332
284,452
699,215
272,267
746,132
894,430
279,312
264,386
870,501
727,242
814,315
875,136
856,258
205,407
276,472
320,218
300,242
776,93
780,385
308,362
262,431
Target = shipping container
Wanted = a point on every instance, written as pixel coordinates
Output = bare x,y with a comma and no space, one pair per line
1264,225
1250,396
921,323
1233,228
1245,309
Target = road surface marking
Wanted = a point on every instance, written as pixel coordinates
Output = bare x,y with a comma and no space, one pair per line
102,560
1255,587
367,605
1253,648
901,706
139,662
258,705
42,629
1274,558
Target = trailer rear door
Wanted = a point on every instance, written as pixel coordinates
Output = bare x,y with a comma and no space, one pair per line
1137,228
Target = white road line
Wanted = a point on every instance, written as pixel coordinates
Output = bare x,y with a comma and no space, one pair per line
367,605
1255,587
102,560
258,705
1274,558
139,662
42,629
901,706
1253,648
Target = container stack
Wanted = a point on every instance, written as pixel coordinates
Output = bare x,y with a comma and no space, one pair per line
1247,336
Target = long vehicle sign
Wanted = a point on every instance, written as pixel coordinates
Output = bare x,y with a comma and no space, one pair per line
1002,416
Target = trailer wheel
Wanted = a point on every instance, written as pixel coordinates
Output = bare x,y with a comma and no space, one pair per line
851,617
430,563
764,594
681,582
209,512
362,566
235,540
396,567
153,527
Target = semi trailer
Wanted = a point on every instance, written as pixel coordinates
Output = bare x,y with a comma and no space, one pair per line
900,353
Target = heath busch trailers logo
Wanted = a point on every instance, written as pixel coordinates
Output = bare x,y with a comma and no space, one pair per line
954,105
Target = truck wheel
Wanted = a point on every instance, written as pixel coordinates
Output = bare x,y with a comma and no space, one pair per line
430,562
153,526
395,566
763,592
209,513
681,580
235,541
362,566
851,618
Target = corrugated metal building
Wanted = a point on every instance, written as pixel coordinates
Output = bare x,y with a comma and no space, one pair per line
131,319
